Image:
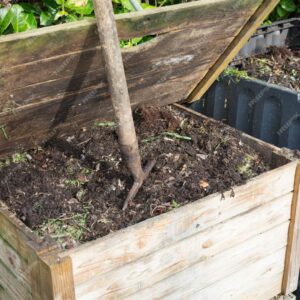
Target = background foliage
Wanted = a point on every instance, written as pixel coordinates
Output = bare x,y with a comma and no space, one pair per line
22,15
286,9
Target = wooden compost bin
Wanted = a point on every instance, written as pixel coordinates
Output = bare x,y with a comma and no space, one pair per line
242,246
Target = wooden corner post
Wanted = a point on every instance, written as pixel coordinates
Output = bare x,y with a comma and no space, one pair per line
53,278
292,261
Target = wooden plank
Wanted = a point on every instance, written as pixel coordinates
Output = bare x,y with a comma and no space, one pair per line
62,115
82,98
26,275
10,286
63,76
261,280
292,262
147,237
4,294
19,237
154,274
77,70
155,53
284,297
214,268
196,92
20,48
16,265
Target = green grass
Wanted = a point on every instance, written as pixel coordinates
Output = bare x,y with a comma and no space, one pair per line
16,158
4,132
168,134
71,227
175,204
73,183
236,74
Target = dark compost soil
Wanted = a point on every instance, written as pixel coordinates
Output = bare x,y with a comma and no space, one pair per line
73,188
279,66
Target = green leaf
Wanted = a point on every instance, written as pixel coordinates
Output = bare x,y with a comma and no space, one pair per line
288,5
281,12
22,21
60,2
136,41
6,17
30,21
147,6
46,18
3,12
31,8
51,5
71,18
18,18
60,14
125,4
82,7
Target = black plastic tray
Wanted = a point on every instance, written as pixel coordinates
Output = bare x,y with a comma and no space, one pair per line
266,111
281,34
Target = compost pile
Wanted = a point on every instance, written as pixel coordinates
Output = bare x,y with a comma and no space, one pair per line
73,187
279,66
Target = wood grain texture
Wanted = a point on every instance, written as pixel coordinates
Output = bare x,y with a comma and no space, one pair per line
19,249
30,267
285,297
150,22
292,262
172,268
10,285
128,245
216,268
55,278
68,81
171,53
255,21
261,280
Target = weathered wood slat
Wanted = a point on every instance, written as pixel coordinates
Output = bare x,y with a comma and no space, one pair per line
216,268
17,256
17,266
81,98
64,115
147,237
153,63
29,267
292,263
261,280
160,268
4,293
10,286
15,234
158,72
82,35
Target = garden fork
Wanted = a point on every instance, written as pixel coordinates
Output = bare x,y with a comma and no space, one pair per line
110,47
